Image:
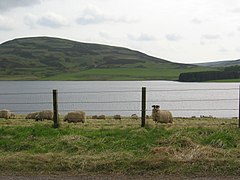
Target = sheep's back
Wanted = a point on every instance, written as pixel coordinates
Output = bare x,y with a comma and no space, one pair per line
76,116
5,113
162,116
165,116
31,115
46,114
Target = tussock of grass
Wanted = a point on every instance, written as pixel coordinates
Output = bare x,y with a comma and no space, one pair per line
110,146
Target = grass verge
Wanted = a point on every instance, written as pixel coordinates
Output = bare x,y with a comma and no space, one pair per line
188,147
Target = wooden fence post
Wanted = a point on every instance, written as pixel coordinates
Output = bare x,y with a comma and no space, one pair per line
55,109
239,107
143,106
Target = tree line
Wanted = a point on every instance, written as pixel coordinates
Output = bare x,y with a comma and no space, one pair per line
231,72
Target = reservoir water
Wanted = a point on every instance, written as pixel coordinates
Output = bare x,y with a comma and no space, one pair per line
122,97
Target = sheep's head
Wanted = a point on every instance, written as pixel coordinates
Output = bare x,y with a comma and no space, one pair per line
155,108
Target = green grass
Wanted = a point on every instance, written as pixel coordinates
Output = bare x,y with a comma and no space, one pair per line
188,147
226,80
150,73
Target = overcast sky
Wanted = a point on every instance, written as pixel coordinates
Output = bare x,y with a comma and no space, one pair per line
183,31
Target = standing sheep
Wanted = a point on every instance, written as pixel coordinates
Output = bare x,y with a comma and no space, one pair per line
161,116
134,116
7,114
94,117
46,114
31,115
117,117
75,116
101,117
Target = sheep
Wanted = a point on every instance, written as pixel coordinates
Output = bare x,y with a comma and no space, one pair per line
161,116
148,117
7,114
101,117
31,115
94,117
117,117
75,116
134,116
46,114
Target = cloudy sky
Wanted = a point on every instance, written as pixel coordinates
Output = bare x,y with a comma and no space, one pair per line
183,31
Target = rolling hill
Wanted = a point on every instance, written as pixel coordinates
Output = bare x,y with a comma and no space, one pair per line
47,58
220,63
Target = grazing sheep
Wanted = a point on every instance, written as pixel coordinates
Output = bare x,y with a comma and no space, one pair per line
94,117
101,117
7,114
75,116
31,115
134,116
46,114
117,117
161,116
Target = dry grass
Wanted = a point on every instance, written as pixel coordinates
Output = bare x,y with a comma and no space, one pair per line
189,146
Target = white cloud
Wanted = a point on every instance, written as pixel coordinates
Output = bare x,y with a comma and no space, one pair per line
173,37
211,36
6,24
196,21
203,43
104,35
52,20
93,15
30,20
9,4
237,50
142,37
236,10
223,50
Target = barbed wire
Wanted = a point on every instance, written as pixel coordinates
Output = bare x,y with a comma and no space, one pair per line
30,103
90,92
110,102
203,89
29,93
132,110
194,100
119,91
199,109
62,103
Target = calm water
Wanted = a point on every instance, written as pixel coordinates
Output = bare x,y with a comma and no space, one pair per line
122,97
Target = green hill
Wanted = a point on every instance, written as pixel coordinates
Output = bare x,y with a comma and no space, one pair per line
220,64
46,58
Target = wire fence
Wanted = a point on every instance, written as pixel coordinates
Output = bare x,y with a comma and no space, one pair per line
218,102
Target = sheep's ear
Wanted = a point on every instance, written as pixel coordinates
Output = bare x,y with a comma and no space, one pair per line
157,106
153,106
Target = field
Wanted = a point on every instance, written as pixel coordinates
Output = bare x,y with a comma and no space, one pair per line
189,147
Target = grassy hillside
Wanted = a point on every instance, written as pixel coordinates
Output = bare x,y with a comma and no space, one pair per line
45,58
192,147
220,63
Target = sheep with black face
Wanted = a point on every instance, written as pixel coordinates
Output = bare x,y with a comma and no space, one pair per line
161,116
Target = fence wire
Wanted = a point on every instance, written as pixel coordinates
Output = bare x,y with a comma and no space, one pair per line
123,101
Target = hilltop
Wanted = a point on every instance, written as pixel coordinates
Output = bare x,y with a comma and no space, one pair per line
48,58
